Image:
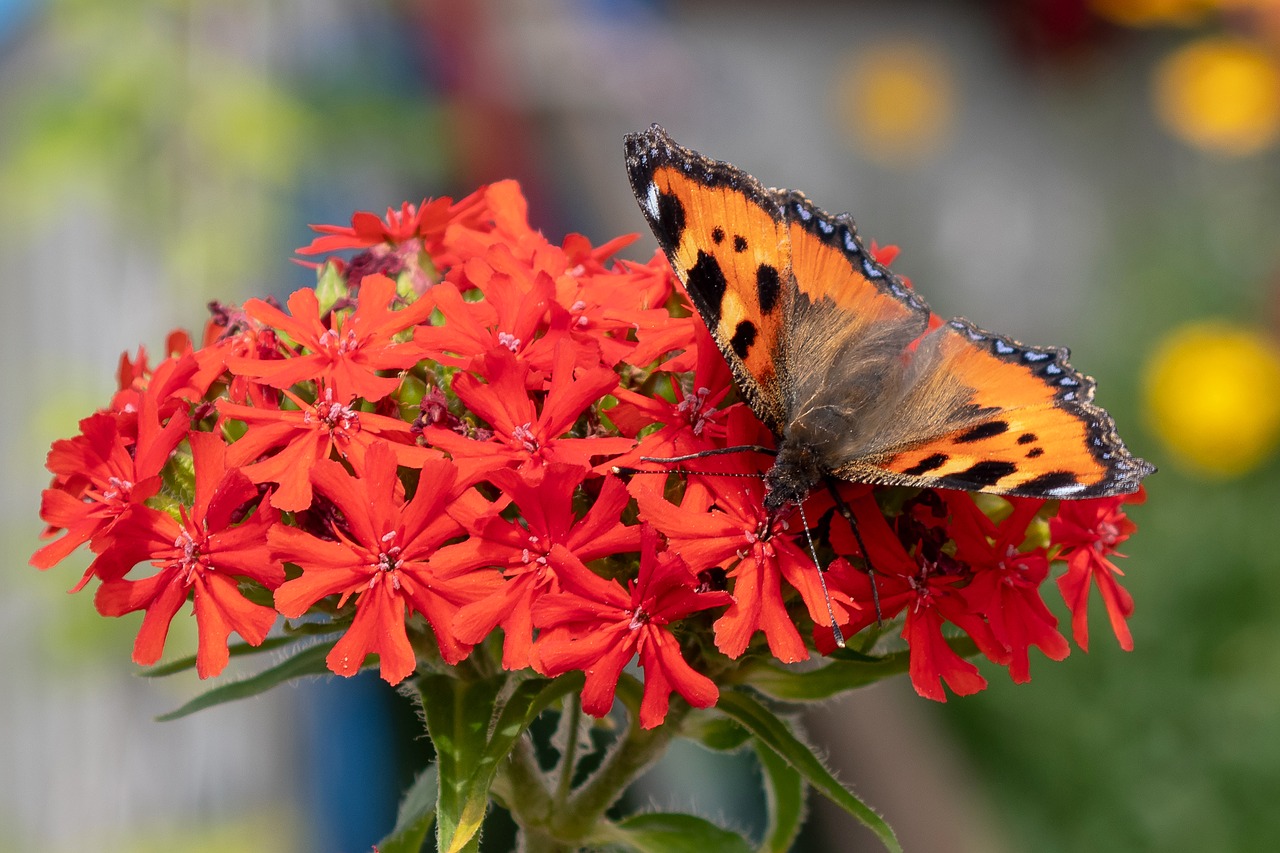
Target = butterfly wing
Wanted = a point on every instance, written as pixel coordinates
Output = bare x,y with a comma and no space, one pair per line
882,401
834,352
977,411
726,238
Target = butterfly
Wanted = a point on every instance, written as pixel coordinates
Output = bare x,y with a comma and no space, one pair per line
845,362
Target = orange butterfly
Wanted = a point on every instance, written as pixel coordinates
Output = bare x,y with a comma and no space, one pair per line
834,352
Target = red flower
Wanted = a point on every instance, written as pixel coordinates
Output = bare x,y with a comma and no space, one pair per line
1006,581
111,466
347,356
1089,532
523,436
691,420
545,498
308,434
388,554
512,315
927,584
722,521
606,306
597,626
199,558
426,220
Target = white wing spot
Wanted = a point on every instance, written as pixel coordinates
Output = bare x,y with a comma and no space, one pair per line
651,202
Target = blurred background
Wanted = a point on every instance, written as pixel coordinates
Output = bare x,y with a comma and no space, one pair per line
1098,173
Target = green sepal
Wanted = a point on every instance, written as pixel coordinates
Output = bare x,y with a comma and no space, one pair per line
309,661
179,478
672,832
777,735
331,286
415,816
474,725
404,287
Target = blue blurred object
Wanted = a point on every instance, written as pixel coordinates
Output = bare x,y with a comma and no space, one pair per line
348,776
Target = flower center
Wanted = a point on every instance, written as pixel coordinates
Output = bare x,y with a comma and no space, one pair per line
525,436
189,562
119,490
388,561
509,341
335,416
691,408
337,344
1108,535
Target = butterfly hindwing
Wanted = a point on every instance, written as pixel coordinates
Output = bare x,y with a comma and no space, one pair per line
844,361
984,413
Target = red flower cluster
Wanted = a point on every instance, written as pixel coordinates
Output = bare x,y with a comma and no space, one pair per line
427,458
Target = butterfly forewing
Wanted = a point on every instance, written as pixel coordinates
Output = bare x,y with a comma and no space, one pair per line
723,234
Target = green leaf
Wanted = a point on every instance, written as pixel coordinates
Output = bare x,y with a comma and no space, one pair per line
236,650
668,832
309,661
474,725
784,793
416,814
829,680
714,731
777,735
846,670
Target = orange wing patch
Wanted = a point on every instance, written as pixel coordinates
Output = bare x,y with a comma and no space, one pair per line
830,262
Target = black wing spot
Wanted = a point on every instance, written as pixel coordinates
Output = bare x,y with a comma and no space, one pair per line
768,286
739,243
1051,482
981,431
671,220
986,473
743,337
927,464
717,235
1027,438
707,285
1035,452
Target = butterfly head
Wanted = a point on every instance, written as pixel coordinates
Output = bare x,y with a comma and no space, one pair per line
795,472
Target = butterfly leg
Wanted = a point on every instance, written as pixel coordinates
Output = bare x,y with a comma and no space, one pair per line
847,513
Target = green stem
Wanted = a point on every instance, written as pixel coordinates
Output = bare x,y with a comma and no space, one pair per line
570,757
637,750
522,785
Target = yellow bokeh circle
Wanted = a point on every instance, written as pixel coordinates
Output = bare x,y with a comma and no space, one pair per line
894,101
1221,94
1213,396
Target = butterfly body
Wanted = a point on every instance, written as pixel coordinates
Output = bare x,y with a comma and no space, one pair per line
845,362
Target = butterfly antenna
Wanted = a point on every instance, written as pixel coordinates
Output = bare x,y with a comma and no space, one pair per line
719,451
847,512
623,469
837,634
